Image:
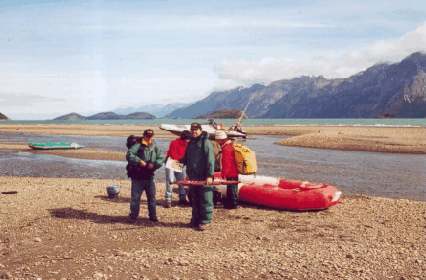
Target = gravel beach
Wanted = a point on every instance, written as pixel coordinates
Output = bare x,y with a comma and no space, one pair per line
68,229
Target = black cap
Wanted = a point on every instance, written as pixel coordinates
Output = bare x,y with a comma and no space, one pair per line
148,133
195,126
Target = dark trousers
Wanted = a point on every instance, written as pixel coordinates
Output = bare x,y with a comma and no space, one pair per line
231,194
202,204
138,186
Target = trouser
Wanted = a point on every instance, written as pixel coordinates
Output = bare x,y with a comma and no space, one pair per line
138,186
231,194
172,176
202,204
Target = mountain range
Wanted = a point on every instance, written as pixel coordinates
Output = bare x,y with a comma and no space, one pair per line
3,117
222,114
106,116
383,90
158,110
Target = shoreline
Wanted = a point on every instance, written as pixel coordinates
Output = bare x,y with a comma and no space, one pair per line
55,228
354,138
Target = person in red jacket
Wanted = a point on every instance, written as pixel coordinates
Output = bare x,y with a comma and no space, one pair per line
229,168
175,153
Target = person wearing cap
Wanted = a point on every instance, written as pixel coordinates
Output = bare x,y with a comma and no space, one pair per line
144,157
176,152
229,168
199,162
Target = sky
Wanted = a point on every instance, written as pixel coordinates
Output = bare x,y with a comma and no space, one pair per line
58,57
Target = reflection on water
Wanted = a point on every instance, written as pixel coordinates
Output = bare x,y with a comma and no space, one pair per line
382,174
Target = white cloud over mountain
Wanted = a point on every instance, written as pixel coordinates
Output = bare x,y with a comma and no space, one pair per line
333,64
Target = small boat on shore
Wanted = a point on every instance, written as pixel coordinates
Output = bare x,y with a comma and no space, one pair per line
287,194
54,146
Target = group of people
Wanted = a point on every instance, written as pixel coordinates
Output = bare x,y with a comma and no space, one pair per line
197,153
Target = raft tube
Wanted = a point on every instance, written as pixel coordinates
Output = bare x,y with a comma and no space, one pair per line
290,195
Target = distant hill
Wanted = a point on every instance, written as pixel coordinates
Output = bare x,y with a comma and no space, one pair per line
3,117
397,90
106,116
222,114
158,110
70,117
140,115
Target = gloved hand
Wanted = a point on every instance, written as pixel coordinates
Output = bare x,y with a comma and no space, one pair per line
209,180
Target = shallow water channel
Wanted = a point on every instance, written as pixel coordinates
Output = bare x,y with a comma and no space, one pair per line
381,174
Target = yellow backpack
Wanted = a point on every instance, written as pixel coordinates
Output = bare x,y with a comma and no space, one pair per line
246,159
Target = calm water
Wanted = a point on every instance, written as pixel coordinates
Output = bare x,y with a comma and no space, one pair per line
390,175
247,122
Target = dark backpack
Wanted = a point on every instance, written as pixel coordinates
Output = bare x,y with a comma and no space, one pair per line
136,171
132,139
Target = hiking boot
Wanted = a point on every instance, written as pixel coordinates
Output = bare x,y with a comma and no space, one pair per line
154,219
132,219
183,202
192,224
167,204
203,227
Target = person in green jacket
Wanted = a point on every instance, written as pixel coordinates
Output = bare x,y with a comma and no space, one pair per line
199,162
143,157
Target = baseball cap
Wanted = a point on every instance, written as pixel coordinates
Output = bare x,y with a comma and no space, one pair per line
195,126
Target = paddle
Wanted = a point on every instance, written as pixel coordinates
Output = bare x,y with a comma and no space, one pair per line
204,182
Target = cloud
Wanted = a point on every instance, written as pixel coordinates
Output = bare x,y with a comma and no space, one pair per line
92,92
332,65
25,99
198,23
223,22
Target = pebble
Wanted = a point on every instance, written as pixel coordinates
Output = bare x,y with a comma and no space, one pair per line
99,276
5,275
244,258
37,239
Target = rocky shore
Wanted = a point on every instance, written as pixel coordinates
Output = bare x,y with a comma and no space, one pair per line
56,228
68,229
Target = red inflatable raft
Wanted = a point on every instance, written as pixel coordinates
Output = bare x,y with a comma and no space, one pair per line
290,195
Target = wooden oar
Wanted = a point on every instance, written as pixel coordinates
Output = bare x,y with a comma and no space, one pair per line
204,182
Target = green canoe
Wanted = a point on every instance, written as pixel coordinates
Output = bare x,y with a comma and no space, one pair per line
54,146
